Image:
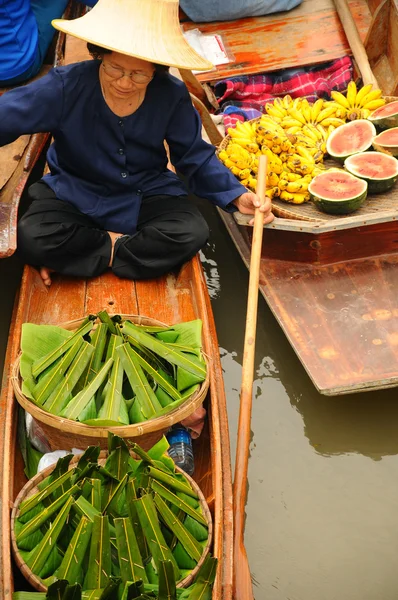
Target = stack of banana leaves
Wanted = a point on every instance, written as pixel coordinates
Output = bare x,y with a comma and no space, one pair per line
128,528
114,373
116,590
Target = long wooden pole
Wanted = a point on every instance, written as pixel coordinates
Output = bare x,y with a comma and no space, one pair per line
355,42
242,579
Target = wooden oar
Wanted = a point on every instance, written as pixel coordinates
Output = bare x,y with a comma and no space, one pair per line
355,42
242,579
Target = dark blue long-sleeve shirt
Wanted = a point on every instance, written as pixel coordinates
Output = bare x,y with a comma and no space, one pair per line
104,164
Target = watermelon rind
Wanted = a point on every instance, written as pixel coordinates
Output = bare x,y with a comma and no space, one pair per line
379,142
387,121
342,133
376,185
341,206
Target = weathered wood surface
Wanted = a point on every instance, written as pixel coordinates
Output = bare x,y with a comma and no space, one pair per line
381,44
170,299
16,172
335,297
310,33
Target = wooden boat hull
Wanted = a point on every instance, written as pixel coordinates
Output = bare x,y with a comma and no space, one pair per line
170,299
333,289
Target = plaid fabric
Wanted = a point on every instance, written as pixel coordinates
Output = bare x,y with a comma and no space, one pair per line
243,98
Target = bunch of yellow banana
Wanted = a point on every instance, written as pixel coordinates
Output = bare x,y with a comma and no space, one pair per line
359,104
245,135
293,160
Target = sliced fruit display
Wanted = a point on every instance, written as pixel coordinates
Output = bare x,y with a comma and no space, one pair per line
387,141
353,137
379,170
337,192
386,116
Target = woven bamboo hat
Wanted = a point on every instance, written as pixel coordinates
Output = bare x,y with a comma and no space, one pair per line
147,29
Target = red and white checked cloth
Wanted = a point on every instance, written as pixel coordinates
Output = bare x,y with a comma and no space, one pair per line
244,97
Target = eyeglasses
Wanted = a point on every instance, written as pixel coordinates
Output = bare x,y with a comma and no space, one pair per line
135,76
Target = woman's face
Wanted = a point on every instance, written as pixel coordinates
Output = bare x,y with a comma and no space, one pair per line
123,76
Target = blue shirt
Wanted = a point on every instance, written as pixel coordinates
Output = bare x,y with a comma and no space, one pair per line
104,164
18,38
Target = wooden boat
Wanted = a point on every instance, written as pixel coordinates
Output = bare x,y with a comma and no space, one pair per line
170,299
331,282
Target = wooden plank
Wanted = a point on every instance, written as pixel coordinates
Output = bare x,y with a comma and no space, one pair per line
285,39
10,194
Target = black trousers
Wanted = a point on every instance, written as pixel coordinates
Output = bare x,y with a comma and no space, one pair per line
54,234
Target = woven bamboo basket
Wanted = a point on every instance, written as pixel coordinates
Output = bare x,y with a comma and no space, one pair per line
31,488
281,211
64,434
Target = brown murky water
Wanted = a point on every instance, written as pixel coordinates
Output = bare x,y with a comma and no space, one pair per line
322,511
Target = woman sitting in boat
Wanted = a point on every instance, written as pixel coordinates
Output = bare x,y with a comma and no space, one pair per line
109,199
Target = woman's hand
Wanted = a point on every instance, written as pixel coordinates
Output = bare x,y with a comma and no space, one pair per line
249,201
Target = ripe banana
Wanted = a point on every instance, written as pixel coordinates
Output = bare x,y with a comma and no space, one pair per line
351,93
340,99
373,95
362,93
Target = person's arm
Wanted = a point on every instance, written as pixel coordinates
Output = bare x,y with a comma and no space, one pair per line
196,159
33,108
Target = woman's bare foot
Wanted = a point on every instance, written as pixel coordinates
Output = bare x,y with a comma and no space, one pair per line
45,275
113,237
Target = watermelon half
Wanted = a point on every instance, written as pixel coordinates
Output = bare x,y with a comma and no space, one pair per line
379,170
387,141
337,192
386,116
353,137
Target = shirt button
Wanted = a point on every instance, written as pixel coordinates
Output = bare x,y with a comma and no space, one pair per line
121,151
123,174
120,123
139,192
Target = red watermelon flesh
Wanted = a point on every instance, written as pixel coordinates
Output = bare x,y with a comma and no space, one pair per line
386,111
335,185
389,137
373,165
350,138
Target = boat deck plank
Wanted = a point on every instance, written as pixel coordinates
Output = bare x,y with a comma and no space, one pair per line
283,40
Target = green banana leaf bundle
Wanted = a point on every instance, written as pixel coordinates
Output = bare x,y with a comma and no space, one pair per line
134,590
112,373
120,520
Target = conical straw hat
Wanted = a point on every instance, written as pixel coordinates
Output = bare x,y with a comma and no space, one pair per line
147,29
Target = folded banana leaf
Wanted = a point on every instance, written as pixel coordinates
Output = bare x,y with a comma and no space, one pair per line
45,361
112,395
37,341
98,340
51,380
168,495
61,394
79,402
99,573
35,523
190,544
130,560
150,524
71,566
37,558
173,482
189,363
149,404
